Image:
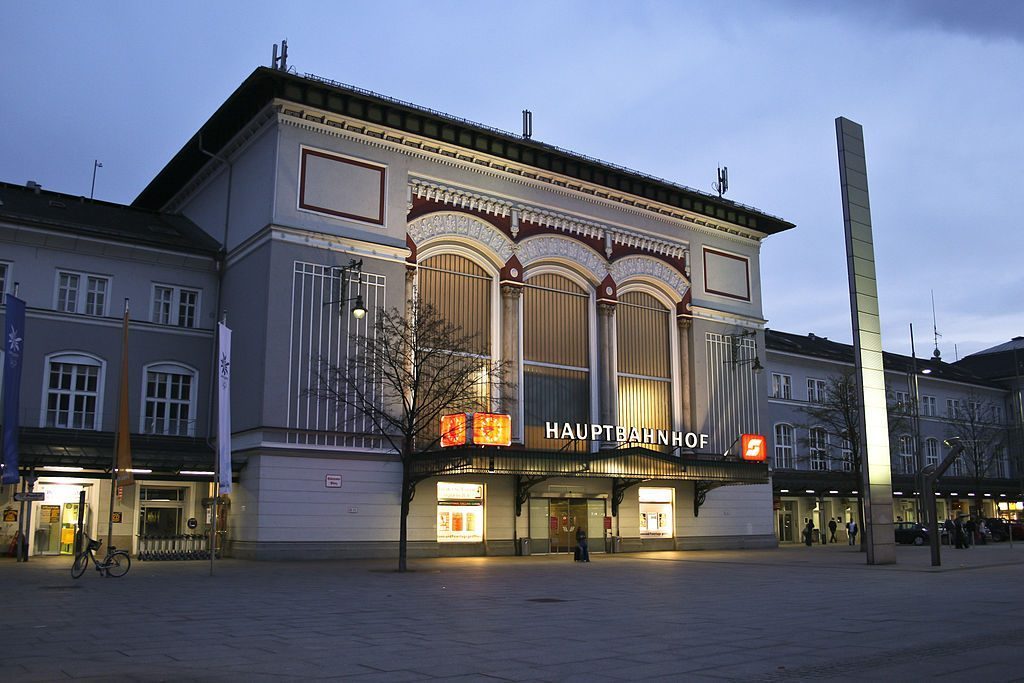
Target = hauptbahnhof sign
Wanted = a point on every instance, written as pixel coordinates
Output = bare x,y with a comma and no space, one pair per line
623,433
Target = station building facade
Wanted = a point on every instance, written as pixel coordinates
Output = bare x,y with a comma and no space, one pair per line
929,401
619,301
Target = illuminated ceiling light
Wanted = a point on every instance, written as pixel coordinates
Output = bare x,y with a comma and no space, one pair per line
954,493
833,492
988,495
1002,495
971,495
140,471
853,492
809,491
56,468
926,371
783,490
897,493
197,473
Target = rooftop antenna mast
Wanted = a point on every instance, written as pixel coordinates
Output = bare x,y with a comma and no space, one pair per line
936,354
722,186
280,63
527,124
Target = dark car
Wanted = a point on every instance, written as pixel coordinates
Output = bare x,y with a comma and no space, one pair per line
911,533
1000,529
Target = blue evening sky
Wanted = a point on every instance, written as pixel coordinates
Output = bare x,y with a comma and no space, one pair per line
673,89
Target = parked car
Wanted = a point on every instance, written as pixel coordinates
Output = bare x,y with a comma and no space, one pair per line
911,533
1002,528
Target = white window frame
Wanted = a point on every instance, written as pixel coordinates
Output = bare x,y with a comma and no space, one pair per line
818,450
931,452
846,453
906,454
77,358
169,368
173,316
954,408
903,402
817,389
5,279
929,406
82,290
784,451
782,386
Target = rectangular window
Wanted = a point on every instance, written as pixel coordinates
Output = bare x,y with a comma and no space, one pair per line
928,406
902,402
953,408
906,461
72,299
4,270
997,415
173,305
655,513
816,390
846,453
782,386
818,442
931,452
71,396
460,512
168,408
783,447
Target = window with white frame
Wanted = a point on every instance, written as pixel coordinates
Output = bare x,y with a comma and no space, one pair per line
928,406
72,399
997,415
173,305
782,386
906,454
903,402
783,447
5,270
931,452
846,453
974,411
818,442
953,408
1000,468
82,293
816,390
169,407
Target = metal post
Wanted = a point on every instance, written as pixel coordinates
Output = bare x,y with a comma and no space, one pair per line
931,476
81,523
18,554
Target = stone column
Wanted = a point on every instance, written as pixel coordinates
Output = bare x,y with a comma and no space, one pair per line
685,379
511,392
607,387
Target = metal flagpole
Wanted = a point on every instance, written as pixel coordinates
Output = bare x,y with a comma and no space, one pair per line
113,464
216,453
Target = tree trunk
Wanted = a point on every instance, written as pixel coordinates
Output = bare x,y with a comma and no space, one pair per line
403,525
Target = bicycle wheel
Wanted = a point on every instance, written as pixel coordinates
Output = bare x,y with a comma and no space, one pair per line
80,565
118,563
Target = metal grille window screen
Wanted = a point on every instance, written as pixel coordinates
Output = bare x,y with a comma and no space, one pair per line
321,334
732,390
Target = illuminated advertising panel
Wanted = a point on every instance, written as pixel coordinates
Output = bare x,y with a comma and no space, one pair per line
655,512
755,447
460,512
492,429
453,430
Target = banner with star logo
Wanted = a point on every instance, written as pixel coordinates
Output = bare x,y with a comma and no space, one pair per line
224,407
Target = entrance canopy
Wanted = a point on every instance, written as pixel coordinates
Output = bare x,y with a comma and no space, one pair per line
634,462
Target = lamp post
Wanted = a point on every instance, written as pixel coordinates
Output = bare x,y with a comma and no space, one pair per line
344,273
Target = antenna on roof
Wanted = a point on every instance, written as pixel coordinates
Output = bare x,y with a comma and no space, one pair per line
722,186
280,63
936,354
527,124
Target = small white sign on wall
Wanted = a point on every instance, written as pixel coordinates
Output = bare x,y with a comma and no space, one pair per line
332,481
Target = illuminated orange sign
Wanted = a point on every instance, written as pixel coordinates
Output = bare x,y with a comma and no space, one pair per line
492,429
755,447
453,430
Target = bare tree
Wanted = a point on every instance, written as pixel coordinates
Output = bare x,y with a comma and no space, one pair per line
837,416
416,367
978,425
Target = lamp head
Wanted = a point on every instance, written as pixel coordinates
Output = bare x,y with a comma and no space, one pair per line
359,310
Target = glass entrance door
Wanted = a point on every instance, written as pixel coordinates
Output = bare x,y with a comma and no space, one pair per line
565,517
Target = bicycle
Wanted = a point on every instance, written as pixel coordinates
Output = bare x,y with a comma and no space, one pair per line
115,563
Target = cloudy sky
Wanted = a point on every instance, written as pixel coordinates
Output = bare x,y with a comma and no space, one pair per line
673,89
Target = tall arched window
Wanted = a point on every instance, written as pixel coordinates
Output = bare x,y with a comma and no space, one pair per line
931,452
556,357
73,392
906,461
783,447
170,395
644,362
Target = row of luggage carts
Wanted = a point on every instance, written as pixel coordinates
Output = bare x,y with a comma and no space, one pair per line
174,547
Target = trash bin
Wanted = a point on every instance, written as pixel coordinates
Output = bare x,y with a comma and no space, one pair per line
616,544
524,546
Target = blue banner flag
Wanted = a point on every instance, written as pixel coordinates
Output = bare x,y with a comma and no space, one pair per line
14,342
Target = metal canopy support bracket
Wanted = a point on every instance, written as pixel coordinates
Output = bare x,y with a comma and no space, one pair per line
619,487
523,485
700,494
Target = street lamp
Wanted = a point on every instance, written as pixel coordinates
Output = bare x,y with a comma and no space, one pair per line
736,346
344,273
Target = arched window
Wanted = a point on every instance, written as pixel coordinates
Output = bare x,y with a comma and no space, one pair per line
73,392
169,404
644,362
783,447
556,357
818,442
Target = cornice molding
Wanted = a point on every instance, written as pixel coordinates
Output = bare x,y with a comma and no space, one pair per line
451,155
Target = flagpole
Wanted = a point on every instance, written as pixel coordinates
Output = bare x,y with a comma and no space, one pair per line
220,436
118,436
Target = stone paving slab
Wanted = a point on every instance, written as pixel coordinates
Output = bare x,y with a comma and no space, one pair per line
791,613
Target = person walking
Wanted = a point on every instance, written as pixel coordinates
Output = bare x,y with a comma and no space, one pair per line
958,532
851,529
970,528
582,550
809,533
832,526
950,531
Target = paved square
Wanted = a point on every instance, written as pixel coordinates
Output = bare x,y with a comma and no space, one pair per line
788,614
